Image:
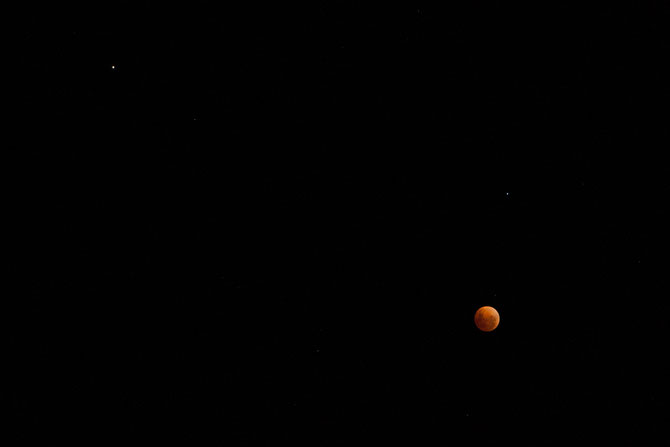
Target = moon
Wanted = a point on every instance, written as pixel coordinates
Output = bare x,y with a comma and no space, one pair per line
487,318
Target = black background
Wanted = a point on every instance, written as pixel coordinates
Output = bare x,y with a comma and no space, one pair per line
268,225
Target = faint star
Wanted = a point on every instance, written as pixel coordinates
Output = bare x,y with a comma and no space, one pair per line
113,67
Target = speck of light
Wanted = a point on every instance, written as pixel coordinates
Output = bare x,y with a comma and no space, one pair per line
113,67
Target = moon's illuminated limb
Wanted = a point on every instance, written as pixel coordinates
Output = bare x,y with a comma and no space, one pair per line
487,318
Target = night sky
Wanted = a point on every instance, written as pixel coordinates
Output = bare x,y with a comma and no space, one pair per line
272,225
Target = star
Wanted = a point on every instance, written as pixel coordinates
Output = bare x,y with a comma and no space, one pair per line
113,67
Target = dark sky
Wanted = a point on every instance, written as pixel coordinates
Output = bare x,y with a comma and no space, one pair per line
251,225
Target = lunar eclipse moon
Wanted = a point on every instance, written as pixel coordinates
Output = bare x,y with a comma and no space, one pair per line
487,318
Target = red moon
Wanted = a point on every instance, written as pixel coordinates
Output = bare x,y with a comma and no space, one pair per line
487,318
